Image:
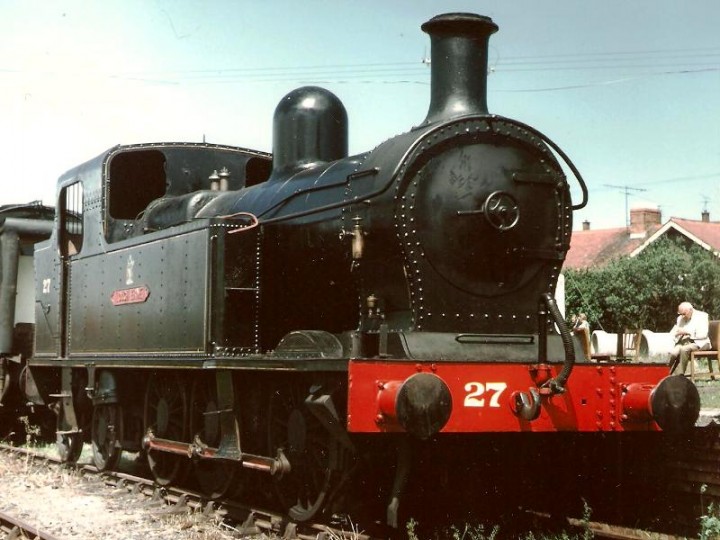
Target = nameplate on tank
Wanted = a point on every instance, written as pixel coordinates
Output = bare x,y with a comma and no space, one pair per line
136,295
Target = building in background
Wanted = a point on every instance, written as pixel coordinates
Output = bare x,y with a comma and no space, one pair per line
593,248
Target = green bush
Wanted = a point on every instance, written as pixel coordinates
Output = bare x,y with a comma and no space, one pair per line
644,291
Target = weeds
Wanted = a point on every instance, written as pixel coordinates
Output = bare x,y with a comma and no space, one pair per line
710,521
354,530
32,432
410,528
710,524
477,532
587,512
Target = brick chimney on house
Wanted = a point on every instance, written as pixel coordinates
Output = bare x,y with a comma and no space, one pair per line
586,225
643,219
705,216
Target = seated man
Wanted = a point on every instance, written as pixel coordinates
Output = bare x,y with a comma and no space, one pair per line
691,334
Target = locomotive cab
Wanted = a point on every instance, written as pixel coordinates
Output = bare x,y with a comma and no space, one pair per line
128,258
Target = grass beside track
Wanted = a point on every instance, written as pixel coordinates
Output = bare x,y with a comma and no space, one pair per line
709,393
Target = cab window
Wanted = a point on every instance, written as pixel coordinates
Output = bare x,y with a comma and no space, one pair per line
71,219
136,179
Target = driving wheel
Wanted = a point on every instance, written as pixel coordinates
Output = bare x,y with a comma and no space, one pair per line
308,446
215,477
69,446
107,436
166,413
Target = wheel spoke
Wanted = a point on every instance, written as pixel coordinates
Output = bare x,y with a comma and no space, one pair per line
215,477
166,401
107,434
306,442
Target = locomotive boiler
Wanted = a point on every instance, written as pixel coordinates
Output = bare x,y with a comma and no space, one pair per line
243,313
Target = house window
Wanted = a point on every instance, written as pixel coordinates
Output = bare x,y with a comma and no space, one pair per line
71,219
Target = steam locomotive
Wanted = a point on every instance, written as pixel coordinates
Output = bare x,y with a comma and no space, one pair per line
242,313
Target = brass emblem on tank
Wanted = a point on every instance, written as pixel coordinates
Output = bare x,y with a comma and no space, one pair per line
129,271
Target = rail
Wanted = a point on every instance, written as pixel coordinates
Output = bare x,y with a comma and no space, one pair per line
14,527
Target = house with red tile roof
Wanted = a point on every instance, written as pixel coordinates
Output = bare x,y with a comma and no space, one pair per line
592,248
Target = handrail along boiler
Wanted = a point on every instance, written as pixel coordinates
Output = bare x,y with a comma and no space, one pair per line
281,314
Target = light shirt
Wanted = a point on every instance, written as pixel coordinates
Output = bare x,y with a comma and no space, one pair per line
697,326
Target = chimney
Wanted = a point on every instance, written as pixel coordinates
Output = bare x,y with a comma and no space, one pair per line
705,216
643,219
586,225
458,64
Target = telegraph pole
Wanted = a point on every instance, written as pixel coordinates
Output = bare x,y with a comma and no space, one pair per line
626,189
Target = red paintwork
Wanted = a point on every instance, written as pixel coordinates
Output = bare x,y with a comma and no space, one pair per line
597,398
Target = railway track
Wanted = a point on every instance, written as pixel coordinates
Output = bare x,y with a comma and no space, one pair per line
687,472
242,520
615,532
12,528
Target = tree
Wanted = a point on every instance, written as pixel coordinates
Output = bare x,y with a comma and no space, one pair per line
644,291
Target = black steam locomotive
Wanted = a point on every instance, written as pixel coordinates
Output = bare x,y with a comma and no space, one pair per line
281,314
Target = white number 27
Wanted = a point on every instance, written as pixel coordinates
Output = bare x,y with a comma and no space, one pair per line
476,389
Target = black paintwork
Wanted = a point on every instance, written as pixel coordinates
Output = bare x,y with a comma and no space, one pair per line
464,222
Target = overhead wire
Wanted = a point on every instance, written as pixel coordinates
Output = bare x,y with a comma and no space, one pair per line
685,179
670,61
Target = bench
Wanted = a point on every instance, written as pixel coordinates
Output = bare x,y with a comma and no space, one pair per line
710,355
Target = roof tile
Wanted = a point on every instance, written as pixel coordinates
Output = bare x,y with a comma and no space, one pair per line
591,248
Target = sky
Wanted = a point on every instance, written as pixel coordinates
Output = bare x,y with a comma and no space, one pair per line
630,90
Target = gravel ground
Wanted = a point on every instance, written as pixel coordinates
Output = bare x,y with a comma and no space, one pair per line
62,503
